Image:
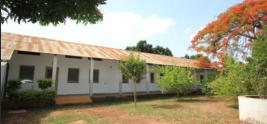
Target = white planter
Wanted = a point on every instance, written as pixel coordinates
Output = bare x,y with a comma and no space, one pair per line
253,110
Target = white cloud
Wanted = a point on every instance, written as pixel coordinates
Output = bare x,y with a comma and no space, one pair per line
154,25
118,29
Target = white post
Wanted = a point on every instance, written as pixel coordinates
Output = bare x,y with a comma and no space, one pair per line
147,79
120,83
3,78
54,71
91,77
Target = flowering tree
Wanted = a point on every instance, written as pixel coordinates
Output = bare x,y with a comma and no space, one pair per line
234,30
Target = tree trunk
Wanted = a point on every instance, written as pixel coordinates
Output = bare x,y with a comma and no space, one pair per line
134,91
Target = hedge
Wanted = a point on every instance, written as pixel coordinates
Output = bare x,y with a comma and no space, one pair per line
13,85
44,83
32,97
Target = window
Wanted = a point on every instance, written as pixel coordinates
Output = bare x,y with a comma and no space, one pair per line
96,76
138,81
26,72
124,79
201,77
152,78
29,53
48,72
73,75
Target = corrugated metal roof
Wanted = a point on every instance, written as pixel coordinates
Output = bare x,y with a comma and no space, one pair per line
11,42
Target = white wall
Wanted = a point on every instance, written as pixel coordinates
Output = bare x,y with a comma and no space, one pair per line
141,87
39,62
153,86
65,88
253,110
109,75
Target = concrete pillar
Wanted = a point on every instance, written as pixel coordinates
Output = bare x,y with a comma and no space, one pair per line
120,83
147,79
91,77
54,71
4,75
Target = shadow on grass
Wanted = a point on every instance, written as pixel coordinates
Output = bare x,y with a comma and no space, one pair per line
166,106
33,115
234,106
195,99
36,114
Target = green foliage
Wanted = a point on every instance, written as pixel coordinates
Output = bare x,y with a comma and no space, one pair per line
212,74
257,65
51,11
133,68
143,46
44,83
249,78
196,57
32,96
233,80
13,85
162,51
176,79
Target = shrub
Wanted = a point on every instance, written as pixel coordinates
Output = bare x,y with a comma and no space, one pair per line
32,96
232,81
176,79
212,74
44,83
246,78
13,85
257,65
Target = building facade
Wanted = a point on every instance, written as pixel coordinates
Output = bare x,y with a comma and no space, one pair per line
77,68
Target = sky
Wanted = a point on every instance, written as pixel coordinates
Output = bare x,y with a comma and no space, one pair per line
167,23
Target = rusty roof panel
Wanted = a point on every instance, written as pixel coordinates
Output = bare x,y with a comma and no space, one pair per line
11,42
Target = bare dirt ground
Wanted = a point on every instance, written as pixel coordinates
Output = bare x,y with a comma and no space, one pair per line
159,111
117,116
113,116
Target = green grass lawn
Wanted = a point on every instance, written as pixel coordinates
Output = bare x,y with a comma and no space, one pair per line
194,109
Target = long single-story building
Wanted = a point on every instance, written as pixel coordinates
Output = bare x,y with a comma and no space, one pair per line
76,68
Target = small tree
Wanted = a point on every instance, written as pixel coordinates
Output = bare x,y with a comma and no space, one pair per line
133,68
44,83
176,79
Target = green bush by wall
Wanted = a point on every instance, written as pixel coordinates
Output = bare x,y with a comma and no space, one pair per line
32,96
13,85
44,83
